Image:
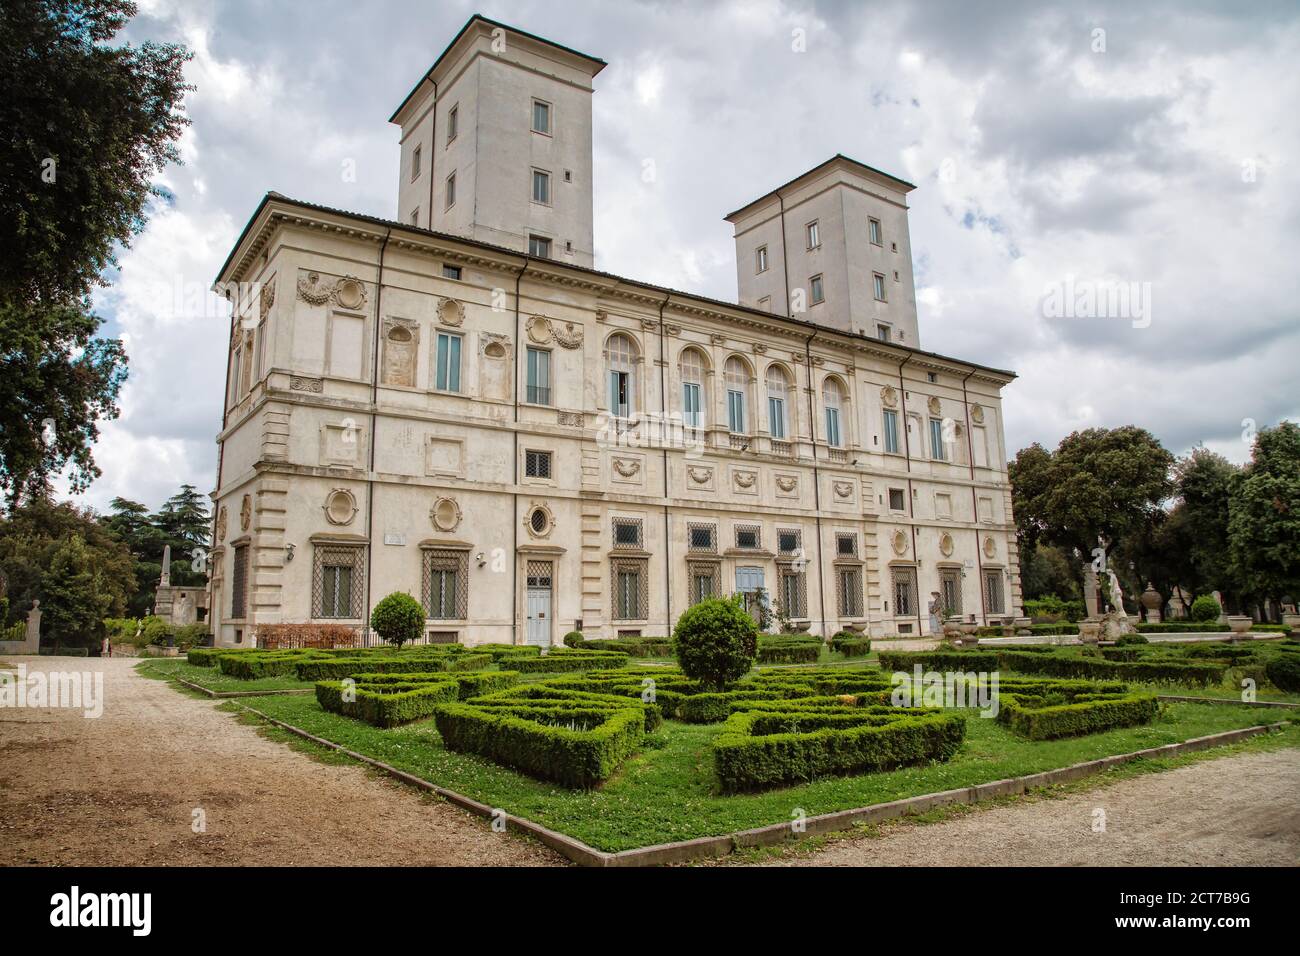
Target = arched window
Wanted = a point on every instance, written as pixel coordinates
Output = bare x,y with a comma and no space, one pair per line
737,376
778,392
833,401
621,361
692,363
399,357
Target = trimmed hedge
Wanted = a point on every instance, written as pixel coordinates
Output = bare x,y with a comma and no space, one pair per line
576,743
387,705
1183,627
1147,670
558,662
471,685
759,749
207,656
850,644
631,646
788,652
1061,713
1284,672
340,667
939,660
251,666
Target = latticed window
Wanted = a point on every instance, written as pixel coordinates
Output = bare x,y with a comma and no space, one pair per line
993,592
631,589
787,540
627,532
537,464
950,591
239,583
446,584
848,591
706,580
794,593
748,536
904,591
702,537
846,544
338,581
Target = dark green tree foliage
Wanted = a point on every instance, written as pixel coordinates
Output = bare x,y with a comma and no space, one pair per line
75,596
87,126
398,618
1046,571
181,522
1264,516
715,642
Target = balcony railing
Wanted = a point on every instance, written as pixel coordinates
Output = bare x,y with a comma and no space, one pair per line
783,448
739,442
837,454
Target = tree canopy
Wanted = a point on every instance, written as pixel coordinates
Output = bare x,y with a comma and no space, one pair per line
1263,527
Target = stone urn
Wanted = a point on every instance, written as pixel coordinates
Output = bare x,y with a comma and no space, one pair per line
1291,621
1240,624
1090,631
968,629
1152,601
1023,625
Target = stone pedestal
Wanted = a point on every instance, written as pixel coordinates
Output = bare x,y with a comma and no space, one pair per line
1151,601
1090,598
1090,630
1240,624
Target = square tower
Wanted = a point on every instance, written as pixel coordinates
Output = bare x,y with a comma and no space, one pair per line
831,247
496,143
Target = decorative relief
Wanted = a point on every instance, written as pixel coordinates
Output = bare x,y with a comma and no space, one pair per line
946,545
312,290
572,419
350,293
543,330
221,524
718,339
843,489
818,361
760,348
673,330
700,475
934,406
889,396
648,325
787,482
445,514
246,514
539,521
977,414
900,543
745,479
627,467
990,548
340,506
495,345
267,298
451,312
301,383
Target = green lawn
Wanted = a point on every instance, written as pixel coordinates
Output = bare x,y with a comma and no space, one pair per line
666,791
210,677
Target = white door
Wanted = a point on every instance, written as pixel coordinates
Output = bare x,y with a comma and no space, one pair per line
539,603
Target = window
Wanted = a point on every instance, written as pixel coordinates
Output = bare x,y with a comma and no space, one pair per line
814,238
705,582
568,175
737,376
897,500
937,451
815,290
337,581
873,226
904,581
692,364
787,541
631,591
778,388
748,536
793,593
539,247
993,592
415,216
415,164
621,359
833,400
446,584
627,533
702,537
453,122
451,191
846,545
760,259
239,584
539,521
541,117
931,376
448,361
537,464
891,431
848,591
880,286
950,591
882,332
451,272
541,187
539,376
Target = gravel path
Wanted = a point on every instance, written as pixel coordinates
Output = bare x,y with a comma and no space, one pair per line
1242,810
121,790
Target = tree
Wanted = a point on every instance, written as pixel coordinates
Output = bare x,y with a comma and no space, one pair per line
75,599
183,523
1264,516
87,127
715,642
130,522
1046,571
398,618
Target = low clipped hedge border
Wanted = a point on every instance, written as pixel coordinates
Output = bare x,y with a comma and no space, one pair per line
760,749
939,660
1152,671
387,700
338,668
850,644
558,662
788,652
1035,718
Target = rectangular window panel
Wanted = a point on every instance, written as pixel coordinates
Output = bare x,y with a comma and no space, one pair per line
446,584
787,542
448,376
239,584
897,500
833,427
627,533
453,123
776,417
815,289
537,464
736,412
814,238
619,394
539,376
891,432
337,582
950,591
936,440
691,405
630,585
882,333
849,588
451,190
761,259
993,592
451,272
702,537
747,536
880,287
794,594
541,117
539,247
541,187
904,580
875,230
846,545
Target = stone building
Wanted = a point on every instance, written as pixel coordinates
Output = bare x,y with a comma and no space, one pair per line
458,406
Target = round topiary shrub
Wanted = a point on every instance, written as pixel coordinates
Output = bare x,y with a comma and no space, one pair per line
1284,672
573,639
715,642
1131,639
398,618
1205,608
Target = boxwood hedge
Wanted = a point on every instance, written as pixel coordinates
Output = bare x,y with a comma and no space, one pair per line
1060,713
559,661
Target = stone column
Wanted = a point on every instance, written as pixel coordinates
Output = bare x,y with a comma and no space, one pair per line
1090,591
32,639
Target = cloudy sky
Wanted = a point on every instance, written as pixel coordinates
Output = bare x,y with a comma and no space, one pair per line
1057,150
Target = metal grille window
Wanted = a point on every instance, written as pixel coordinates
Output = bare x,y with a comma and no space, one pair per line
904,580
702,537
706,581
337,582
846,545
748,536
539,574
239,583
897,500
631,589
446,584
537,464
950,591
787,540
539,376
627,532
794,593
993,592
848,588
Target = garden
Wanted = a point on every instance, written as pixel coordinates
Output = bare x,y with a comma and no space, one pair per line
621,750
